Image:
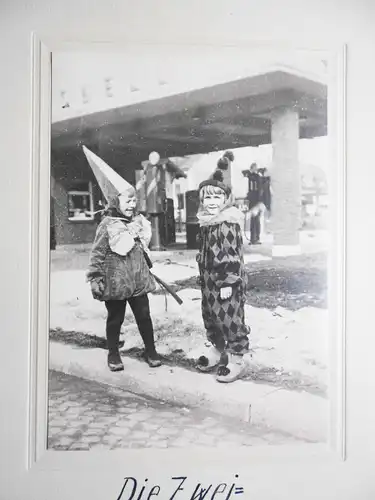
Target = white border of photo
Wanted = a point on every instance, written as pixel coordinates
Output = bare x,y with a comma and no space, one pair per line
38,456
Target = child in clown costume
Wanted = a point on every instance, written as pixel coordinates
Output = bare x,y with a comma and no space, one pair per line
118,269
223,281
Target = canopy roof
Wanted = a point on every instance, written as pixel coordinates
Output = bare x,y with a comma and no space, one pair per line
228,115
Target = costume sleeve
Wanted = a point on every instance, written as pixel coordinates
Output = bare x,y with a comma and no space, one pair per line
227,262
98,253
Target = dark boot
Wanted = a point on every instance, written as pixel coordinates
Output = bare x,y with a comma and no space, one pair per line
141,309
114,361
152,359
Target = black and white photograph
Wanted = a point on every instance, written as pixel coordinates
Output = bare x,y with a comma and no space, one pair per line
190,199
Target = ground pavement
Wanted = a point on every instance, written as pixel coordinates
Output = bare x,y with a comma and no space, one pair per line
86,415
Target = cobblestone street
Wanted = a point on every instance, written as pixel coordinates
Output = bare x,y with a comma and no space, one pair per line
87,415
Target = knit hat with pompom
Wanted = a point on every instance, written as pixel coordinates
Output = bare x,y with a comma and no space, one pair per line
217,178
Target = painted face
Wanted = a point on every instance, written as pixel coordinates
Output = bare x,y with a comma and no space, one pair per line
213,202
127,204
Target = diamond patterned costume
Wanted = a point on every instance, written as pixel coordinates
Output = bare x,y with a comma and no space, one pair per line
221,264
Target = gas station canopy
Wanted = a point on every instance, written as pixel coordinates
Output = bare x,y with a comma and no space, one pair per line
229,115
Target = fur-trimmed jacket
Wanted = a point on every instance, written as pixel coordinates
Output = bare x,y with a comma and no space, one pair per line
117,258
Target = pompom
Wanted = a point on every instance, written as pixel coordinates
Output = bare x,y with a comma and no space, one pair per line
218,176
222,164
229,155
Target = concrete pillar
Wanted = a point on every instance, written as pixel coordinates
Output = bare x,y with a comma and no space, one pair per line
156,228
286,182
155,192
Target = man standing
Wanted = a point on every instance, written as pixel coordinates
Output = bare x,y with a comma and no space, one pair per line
254,196
266,200
266,190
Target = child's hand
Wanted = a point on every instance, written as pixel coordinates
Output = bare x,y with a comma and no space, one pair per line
225,292
97,289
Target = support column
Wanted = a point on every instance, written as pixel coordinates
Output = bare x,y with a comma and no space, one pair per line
155,192
286,183
156,242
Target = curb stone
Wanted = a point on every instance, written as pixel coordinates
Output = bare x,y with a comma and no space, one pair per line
302,415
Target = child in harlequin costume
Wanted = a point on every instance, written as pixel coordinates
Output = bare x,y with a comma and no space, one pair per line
223,280
118,271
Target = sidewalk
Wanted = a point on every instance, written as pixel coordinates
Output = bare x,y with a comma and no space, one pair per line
85,414
301,415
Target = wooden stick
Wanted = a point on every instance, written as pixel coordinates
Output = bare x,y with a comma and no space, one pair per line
168,288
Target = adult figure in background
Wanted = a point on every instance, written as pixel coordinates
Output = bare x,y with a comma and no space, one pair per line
254,197
266,192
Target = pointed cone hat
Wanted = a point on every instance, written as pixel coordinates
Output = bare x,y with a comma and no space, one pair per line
110,182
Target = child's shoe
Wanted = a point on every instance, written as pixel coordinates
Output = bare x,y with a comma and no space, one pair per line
209,360
114,361
152,359
233,370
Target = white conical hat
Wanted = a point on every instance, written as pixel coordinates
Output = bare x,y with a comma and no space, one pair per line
110,182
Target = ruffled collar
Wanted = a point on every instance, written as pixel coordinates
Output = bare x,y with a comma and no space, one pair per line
227,214
135,225
123,233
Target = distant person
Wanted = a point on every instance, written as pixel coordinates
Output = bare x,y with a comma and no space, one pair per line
254,197
266,196
266,191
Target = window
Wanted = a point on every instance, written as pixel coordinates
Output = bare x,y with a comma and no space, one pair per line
80,202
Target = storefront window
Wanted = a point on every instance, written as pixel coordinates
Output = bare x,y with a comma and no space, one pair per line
80,202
